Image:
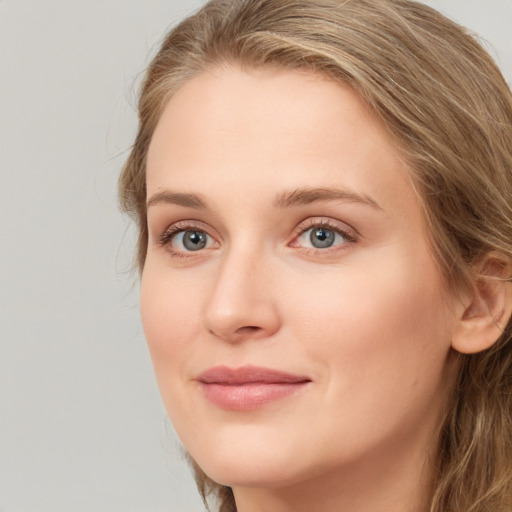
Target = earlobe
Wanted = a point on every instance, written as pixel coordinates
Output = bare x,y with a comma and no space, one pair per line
487,309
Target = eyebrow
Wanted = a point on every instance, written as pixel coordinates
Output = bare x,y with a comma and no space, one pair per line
298,197
176,198
306,196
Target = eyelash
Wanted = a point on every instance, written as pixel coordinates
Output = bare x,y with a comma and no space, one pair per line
304,227
172,231
350,238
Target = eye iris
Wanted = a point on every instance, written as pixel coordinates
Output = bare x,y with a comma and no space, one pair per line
321,238
194,240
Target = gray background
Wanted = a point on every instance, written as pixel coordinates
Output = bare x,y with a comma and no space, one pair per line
81,424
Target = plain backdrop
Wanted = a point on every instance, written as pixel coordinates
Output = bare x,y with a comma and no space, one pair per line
81,423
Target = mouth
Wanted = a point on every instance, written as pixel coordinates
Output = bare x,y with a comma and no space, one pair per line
248,387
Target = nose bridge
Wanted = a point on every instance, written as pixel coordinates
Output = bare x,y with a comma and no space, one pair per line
241,303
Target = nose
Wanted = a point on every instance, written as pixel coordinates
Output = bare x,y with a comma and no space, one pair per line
243,303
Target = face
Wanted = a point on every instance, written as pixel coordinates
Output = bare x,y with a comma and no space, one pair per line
296,318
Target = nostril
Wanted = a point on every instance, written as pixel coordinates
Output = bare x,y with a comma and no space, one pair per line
249,328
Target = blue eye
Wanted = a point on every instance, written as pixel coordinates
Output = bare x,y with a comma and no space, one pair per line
191,240
321,237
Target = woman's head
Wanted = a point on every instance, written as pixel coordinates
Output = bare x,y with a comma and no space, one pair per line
429,95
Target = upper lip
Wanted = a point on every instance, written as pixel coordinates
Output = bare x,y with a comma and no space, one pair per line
248,375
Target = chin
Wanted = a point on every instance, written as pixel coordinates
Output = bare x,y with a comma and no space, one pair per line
237,473
246,461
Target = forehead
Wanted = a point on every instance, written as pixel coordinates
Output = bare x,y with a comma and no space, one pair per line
283,128
263,101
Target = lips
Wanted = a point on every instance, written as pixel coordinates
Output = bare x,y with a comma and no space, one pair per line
248,387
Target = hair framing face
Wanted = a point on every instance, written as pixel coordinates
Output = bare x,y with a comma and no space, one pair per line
449,110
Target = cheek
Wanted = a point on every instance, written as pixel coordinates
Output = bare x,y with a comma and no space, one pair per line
169,311
381,332
380,343
387,297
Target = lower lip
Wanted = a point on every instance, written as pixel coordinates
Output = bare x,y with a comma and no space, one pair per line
245,397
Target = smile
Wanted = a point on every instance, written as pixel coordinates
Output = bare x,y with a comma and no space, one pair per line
248,387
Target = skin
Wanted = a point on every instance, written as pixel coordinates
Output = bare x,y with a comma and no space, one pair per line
367,320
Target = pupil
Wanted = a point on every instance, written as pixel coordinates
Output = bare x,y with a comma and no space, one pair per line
322,238
194,240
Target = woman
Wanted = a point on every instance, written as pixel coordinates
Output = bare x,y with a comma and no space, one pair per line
323,193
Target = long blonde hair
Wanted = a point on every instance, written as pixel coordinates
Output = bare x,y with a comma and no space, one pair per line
450,111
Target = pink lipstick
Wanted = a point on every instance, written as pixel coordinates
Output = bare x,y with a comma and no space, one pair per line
248,387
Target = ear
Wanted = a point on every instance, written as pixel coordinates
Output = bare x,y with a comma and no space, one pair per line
486,309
